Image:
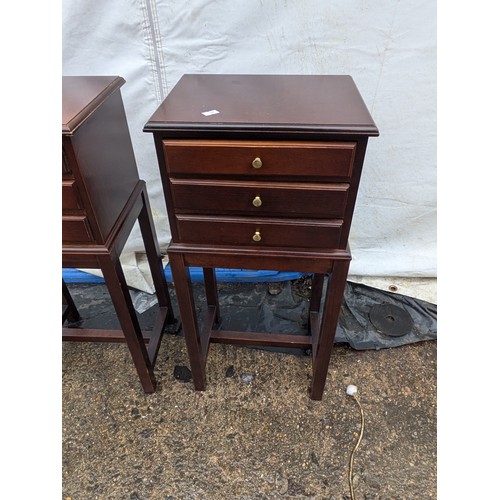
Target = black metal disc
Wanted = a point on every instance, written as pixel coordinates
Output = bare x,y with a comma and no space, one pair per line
391,320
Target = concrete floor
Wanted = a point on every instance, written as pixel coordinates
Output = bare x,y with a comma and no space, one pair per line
254,433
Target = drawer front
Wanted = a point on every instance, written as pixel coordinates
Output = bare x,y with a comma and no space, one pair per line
66,169
257,232
70,196
257,159
76,229
260,198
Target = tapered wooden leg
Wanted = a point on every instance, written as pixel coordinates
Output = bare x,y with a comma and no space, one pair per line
211,290
120,296
154,256
316,293
184,293
71,313
331,311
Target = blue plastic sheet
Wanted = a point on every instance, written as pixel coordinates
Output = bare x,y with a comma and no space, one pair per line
223,276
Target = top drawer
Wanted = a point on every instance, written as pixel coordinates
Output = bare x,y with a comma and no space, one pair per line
259,158
66,169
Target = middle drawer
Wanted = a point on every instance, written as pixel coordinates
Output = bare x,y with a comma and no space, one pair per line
263,198
70,195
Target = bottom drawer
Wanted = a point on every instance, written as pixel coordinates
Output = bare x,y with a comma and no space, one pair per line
76,229
259,232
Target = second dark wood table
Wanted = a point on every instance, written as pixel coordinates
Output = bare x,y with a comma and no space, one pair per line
102,198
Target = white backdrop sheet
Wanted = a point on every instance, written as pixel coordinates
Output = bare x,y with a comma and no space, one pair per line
389,48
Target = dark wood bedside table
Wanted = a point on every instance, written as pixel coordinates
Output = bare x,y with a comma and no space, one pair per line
102,198
261,172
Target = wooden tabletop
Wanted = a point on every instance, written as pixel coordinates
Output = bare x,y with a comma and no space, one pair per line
327,102
81,95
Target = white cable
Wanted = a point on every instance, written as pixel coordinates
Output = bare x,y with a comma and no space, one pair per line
352,390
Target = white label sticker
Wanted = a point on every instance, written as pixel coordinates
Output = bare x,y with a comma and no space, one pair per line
211,112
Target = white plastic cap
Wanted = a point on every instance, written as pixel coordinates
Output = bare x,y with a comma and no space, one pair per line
351,390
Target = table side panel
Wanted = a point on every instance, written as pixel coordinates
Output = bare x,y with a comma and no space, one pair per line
106,162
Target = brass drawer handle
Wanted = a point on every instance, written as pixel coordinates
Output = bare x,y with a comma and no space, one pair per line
256,236
257,202
257,163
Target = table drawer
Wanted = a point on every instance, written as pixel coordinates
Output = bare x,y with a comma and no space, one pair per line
66,168
265,158
260,198
76,229
259,232
70,196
